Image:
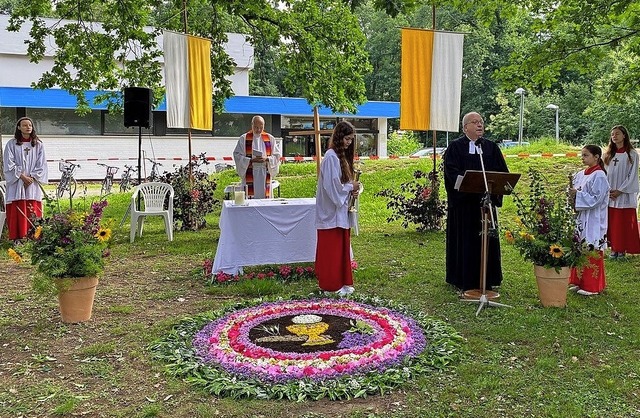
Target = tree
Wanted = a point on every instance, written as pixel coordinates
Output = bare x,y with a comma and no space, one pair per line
321,44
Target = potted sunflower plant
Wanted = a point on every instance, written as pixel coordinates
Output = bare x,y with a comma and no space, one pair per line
68,249
544,231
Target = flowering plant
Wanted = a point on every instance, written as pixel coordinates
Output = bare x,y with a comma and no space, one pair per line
68,244
283,273
545,228
418,202
193,189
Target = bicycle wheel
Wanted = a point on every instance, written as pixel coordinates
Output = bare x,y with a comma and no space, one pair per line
124,184
106,186
73,184
62,186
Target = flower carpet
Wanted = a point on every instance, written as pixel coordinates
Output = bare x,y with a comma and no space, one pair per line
307,348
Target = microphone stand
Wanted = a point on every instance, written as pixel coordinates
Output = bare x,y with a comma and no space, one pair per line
482,296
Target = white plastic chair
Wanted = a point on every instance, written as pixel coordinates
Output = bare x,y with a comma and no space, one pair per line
154,195
3,205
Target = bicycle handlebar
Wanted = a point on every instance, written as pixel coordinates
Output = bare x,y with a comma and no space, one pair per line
66,165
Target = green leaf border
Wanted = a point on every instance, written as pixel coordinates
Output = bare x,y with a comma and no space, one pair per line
444,350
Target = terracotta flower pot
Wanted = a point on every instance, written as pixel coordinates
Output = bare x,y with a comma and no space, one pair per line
75,298
552,285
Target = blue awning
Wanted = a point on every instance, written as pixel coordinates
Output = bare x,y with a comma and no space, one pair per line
288,106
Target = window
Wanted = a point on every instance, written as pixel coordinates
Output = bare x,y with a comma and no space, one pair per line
65,122
235,124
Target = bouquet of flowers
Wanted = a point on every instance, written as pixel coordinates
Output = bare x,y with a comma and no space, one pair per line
545,228
69,244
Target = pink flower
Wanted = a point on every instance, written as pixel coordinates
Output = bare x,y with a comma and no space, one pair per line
354,265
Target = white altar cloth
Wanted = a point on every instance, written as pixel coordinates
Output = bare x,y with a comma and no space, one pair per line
265,231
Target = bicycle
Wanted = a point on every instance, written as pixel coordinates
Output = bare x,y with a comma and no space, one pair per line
155,173
67,181
107,182
126,181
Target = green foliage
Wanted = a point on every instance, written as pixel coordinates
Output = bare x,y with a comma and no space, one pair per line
418,202
404,144
545,229
193,190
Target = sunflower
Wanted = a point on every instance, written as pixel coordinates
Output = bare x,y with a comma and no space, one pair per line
13,254
556,251
103,234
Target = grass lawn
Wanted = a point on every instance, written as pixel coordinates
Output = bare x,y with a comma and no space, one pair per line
524,361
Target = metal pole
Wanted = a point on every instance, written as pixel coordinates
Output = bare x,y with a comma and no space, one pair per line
521,118
557,126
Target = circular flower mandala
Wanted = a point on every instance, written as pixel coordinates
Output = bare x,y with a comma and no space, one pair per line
289,340
307,348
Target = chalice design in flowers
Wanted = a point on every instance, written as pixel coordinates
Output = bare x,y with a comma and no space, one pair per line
311,326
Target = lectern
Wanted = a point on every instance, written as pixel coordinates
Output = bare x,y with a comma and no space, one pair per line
487,183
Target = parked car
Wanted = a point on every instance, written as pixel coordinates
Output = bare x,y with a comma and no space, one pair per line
428,151
509,144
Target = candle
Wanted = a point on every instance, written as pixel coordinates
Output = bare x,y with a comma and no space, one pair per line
239,198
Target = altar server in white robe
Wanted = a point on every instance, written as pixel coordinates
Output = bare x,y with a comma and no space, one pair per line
24,166
257,157
621,163
335,185
591,192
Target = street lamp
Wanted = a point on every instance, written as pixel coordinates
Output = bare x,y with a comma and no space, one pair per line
520,92
556,108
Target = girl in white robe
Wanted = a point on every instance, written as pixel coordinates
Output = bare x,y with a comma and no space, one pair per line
591,191
621,164
24,166
336,185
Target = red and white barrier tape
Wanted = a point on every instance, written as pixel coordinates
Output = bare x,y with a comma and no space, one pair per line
301,159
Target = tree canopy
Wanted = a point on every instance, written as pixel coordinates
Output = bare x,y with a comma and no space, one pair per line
320,44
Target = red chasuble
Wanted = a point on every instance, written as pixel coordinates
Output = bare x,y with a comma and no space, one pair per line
248,143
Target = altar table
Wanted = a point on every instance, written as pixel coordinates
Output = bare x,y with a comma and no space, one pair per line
265,231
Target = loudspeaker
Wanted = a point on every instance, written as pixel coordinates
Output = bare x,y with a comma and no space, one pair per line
137,107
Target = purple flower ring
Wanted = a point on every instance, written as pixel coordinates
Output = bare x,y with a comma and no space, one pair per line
339,348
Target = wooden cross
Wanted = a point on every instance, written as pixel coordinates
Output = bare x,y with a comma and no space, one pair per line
26,151
316,131
615,161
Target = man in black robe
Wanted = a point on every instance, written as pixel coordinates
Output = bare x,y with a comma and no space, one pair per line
464,210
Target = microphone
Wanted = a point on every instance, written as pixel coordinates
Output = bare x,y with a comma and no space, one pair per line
478,144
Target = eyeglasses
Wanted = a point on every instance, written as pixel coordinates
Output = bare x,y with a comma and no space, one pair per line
475,122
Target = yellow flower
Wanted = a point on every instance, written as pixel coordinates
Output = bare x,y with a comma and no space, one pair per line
529,237
38,232
13,254
556,251
104,234
509,237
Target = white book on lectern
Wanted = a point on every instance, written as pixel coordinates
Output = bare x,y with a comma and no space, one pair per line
458,182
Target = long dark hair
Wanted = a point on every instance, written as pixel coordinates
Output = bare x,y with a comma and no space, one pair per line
345,154
612,148
596,150
32,137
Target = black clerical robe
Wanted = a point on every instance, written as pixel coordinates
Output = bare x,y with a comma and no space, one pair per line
464,216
